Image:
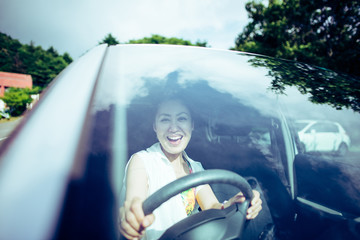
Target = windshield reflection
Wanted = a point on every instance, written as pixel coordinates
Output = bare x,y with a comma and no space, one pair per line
323,86
253,80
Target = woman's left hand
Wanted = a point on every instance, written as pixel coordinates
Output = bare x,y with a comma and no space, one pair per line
255,204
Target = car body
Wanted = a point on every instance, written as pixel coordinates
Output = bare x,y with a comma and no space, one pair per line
323,136
60,178
4,115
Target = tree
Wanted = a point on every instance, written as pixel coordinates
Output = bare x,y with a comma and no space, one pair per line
110,40
52,51
42,65
17,99
158,39
8,50
321,32
67,58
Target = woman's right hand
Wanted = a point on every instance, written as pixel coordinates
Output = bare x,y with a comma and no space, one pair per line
132,221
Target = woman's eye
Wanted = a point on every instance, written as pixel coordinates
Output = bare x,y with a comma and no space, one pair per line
164,120
182,119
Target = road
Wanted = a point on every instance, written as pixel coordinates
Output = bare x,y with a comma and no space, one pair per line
6,128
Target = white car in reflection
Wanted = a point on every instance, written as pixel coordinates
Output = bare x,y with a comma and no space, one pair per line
323,136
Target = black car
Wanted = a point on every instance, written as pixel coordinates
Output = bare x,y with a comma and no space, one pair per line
61,174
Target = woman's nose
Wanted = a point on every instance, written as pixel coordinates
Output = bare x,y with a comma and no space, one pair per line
173,127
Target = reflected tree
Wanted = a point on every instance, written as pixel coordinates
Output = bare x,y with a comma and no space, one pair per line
324,86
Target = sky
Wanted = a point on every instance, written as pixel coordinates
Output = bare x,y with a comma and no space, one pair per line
75,26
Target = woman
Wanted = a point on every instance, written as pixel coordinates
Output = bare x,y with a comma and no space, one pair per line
162,163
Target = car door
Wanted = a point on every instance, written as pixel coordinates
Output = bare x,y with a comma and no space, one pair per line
327,185
324,136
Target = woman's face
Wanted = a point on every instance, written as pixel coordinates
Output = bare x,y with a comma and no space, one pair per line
173,126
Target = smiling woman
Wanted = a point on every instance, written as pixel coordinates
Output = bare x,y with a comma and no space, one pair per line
173,126
164,162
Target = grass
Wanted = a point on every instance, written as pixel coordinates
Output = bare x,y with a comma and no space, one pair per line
4,120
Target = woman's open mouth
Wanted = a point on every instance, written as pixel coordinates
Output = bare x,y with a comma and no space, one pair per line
175,140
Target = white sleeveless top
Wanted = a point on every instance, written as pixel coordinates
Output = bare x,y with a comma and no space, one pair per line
160,173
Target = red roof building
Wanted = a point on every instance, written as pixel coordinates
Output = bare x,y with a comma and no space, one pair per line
16,80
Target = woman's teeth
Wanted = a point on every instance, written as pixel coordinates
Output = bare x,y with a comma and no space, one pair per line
174,138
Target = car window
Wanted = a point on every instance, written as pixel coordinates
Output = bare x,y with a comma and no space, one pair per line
245,121
300,125
327,161
324,127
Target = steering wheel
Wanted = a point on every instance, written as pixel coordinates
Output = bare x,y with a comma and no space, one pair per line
227,223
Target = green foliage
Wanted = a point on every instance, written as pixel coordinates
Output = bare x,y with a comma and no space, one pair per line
320,32
321,85
67,58
17,99
110,40
42,65
158,39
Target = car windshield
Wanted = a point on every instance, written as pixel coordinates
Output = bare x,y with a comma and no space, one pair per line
248,116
